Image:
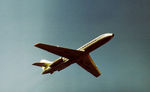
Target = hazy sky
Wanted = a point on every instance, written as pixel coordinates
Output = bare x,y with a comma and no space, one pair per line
124,61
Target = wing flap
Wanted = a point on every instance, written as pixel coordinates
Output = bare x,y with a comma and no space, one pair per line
64,52
88,64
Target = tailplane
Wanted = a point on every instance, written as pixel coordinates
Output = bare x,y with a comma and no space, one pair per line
45,64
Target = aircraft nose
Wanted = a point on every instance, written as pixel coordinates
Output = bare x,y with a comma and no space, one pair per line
109,35
112,35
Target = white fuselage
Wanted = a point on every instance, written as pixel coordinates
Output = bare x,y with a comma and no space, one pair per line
97,42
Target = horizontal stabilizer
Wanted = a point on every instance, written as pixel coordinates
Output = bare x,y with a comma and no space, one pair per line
39,64
64,52
45,64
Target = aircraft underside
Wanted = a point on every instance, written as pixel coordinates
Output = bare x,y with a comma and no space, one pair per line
69,56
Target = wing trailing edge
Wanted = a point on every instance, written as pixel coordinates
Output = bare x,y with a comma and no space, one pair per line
88,64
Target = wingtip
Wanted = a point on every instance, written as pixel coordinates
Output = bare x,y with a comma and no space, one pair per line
37,44
34,64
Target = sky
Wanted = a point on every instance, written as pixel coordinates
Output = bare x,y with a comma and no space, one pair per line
124,61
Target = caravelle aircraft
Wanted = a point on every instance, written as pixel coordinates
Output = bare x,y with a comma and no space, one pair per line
69,56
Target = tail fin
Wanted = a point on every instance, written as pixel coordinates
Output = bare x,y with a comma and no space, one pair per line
45,64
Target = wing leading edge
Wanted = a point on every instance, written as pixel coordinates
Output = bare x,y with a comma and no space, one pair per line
64,52
88,64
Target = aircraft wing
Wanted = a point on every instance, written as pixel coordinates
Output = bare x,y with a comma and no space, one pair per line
64,52
88,64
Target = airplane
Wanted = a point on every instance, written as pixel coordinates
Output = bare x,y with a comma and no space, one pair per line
69,56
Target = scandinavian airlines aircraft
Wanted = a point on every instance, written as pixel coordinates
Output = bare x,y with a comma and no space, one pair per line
69,56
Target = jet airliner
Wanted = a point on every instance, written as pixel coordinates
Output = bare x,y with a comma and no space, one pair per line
79,56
